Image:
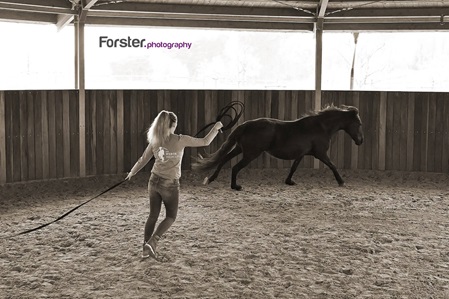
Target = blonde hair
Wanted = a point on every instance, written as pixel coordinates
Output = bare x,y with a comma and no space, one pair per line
159,131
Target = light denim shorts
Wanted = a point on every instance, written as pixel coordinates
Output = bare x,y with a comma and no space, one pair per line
159,184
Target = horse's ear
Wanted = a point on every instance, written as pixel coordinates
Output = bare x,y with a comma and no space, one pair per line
351,108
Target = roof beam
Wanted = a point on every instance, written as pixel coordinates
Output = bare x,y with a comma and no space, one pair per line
391,12
35,8
201,9
55,3
387,20
25,16
63,20
90,3
353,27
322,6
387,4
199,17
199,23
85,9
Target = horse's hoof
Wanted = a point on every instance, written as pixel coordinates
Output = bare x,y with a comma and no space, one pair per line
341,184
290,182
206,181
237,187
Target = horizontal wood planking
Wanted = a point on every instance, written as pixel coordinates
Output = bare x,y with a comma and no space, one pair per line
40,136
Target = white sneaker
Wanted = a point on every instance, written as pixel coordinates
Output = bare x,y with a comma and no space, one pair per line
148,251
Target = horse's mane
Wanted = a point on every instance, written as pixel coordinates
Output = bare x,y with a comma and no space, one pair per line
331,108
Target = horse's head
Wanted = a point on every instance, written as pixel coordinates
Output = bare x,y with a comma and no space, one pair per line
354,125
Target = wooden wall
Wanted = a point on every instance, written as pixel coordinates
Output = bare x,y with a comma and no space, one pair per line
39,130
39,135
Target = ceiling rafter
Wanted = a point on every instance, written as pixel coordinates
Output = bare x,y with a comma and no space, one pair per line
322,6
63,20
202,16
87,4
25,7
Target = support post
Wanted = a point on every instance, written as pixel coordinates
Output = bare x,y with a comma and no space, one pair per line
318,70
77,41
80,79
80,85
351,84
319,26
318,63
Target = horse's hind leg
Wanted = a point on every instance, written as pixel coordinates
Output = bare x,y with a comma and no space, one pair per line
237,150
325,159
289,180
237,167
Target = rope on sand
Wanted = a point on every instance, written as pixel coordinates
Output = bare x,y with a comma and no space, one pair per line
65,214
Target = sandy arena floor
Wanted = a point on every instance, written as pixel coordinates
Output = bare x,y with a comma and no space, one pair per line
383,235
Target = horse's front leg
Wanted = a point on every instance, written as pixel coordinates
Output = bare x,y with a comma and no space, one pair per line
289,180
325,159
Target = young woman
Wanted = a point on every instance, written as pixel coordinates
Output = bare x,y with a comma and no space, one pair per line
168,150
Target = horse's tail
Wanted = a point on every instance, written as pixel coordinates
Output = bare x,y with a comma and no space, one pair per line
212,160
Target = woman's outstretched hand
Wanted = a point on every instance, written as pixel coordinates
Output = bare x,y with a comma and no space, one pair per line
218,125
128,177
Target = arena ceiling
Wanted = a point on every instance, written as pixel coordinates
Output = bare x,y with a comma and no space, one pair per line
312,15
335,15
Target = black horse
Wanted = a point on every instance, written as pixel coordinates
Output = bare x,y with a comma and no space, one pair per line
287,140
